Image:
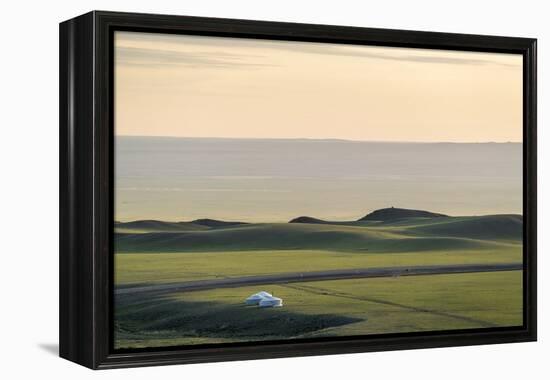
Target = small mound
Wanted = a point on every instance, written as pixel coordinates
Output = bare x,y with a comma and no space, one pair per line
393,213
143,224
307,219
213,223
156,226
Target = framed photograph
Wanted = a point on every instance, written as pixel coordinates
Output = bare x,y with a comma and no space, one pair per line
235,189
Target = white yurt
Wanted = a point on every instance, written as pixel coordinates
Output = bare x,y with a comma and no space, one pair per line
271,302
255,299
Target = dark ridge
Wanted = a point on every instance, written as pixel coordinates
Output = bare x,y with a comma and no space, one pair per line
158,226
215,223
308,219
392,213
144,224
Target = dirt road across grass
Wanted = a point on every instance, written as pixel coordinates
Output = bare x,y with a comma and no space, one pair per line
339,274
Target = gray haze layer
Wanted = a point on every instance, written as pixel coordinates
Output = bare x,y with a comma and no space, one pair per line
270,180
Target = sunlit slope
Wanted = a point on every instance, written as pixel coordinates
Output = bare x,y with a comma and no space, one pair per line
499,227
401,235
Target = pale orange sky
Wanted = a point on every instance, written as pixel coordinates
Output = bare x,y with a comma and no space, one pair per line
191,86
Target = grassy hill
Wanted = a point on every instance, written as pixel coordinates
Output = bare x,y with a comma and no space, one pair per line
393,213
505,227
384,215
213,223
310,220
402,235
144,226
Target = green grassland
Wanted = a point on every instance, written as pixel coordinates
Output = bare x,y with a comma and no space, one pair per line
323,309
150,268
149,252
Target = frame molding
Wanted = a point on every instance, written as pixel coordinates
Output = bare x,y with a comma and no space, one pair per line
86,187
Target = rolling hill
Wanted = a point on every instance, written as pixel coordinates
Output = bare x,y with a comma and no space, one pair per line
384,215
416,233
505,227
393,213
145,226
310,220
213,223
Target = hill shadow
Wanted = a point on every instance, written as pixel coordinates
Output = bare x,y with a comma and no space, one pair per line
166,318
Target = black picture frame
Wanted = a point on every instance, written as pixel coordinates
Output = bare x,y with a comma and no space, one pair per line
86,187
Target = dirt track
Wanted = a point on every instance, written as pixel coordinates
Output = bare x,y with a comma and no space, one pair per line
339,274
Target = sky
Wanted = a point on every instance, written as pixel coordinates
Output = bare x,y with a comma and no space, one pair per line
194,86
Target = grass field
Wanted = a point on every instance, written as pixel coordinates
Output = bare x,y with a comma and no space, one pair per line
134,269
150,252
321,309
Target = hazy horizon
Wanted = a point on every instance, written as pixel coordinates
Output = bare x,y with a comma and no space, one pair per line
323,139
275,180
